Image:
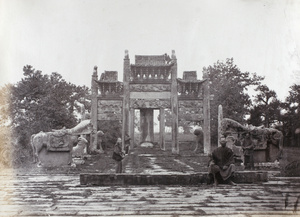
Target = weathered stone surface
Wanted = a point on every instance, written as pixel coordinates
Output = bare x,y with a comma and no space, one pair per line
61,195
109,110
250,176
150,103
149,87
55,159
150,95
165,179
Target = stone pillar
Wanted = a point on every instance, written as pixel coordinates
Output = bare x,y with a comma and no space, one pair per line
131,128
94,111
174,105
162,129
147,134
220,118
126,95
206,116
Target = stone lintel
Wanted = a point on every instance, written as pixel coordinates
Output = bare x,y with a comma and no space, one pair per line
150,95
149,87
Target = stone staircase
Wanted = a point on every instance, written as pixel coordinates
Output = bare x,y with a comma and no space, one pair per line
155,160
152,166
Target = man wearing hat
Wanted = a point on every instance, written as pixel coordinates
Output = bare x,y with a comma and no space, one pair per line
221,165
118,155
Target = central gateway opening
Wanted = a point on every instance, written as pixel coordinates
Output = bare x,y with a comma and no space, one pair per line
147,126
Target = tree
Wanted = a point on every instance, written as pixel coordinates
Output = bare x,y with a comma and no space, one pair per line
267,108
5,92
5,129
187,126
112,131
41,103
291,116
228,85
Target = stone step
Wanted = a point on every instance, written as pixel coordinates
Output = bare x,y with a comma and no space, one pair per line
94,179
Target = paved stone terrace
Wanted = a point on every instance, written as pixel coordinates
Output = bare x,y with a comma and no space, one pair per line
62,195
57,191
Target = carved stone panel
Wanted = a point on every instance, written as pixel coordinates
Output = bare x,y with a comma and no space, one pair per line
150,87
150,103
190,110
109,109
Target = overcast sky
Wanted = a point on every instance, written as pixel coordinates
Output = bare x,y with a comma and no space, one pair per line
72,36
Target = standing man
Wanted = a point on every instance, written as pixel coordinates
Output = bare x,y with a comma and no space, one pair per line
118,155
127,143
248,149
100,135
221,165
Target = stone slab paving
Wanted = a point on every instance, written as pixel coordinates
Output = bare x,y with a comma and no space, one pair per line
166,178
62,195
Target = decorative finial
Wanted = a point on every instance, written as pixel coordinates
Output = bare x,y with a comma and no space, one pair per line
173,54
126,54
95,70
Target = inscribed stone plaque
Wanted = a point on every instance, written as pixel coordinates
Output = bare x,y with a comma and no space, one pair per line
150,103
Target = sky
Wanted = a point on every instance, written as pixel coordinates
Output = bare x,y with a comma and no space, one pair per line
72,36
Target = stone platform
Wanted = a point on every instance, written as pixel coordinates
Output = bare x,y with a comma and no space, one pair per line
182,179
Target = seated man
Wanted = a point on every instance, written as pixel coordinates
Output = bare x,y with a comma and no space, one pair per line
222,163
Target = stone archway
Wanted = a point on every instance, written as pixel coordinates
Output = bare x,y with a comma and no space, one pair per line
151,83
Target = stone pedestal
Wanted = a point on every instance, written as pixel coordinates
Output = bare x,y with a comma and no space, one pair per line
55,158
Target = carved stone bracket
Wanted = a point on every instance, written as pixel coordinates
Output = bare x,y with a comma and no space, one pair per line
150,73
107,88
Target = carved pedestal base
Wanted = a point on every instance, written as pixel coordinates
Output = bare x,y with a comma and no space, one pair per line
55,158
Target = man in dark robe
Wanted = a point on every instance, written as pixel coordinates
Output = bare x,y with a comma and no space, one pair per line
248,148
222,163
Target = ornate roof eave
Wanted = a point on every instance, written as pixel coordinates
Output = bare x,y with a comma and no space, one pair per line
107,82
155,66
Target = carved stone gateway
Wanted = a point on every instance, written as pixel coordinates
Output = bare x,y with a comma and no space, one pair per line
151,83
